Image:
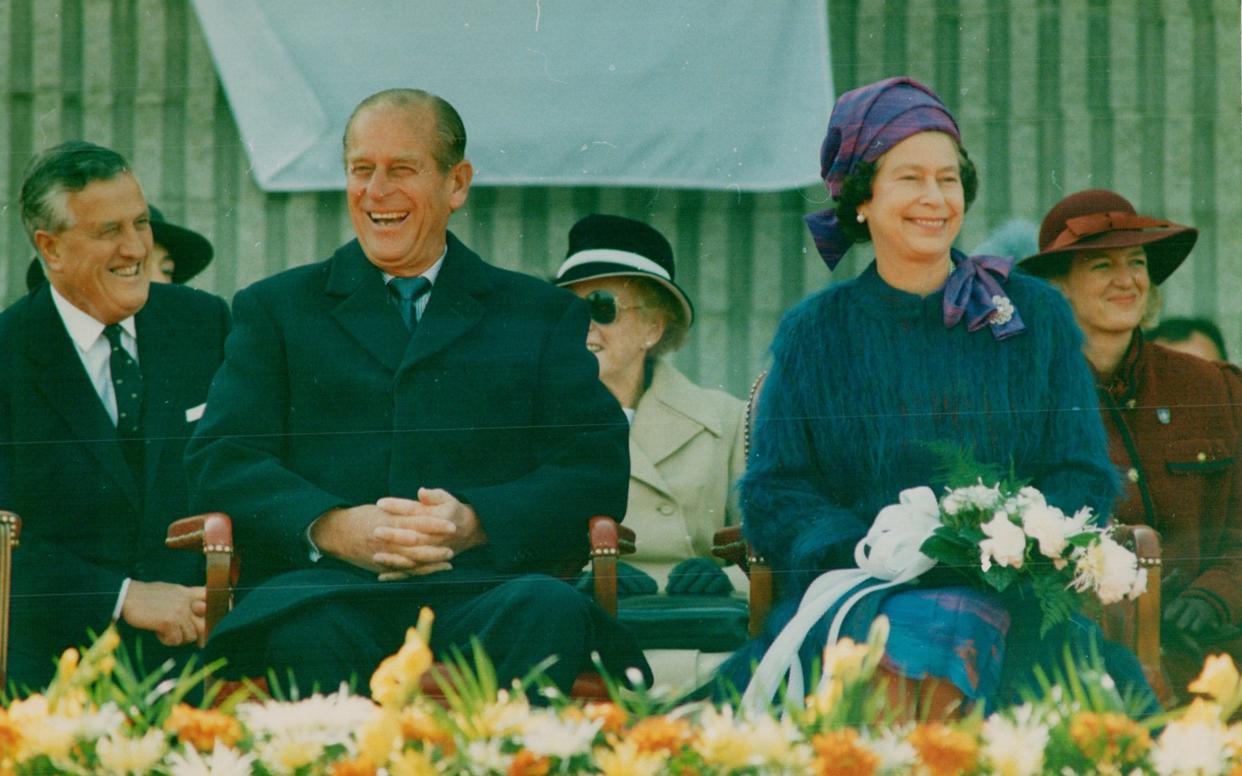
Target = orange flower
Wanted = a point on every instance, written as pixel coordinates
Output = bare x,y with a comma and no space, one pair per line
418,725
201,729
527,763
842,753
944,751
612,716
1108,738
359,767
656,734
10,735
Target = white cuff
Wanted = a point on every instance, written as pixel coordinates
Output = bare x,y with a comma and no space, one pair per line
314,552
120,600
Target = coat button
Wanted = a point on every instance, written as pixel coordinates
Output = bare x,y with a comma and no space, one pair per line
1202,457
1132,475
666,509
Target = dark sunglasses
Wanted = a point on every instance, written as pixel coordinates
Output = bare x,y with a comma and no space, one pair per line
604,307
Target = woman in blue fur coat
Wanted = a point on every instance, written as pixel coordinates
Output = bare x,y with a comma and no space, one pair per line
876,381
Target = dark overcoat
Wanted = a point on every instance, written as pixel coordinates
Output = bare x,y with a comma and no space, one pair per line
324,401
87,524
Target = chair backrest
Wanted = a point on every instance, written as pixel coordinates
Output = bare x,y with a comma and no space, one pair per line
10,531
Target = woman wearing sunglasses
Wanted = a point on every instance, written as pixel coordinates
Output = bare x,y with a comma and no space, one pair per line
685,441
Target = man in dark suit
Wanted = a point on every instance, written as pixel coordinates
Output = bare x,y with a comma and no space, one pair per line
381,449
105,376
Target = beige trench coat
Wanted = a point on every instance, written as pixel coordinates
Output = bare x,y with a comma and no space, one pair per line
686,453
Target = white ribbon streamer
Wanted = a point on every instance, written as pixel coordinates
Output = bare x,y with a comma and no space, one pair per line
889,552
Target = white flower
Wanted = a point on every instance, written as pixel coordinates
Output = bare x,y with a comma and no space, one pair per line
290,735
978,496
548,735
895,751
1050,527
1006,543
223,761
1014,747
485,755
121,755
1109,569
1194,748
736,744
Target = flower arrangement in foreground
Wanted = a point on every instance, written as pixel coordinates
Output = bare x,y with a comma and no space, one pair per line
96,718
1000,536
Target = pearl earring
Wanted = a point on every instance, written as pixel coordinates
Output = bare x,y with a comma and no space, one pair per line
860,218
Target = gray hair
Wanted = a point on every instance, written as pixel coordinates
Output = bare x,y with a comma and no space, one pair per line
58,172
450,147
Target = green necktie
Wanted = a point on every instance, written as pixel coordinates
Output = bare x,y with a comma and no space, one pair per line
405,293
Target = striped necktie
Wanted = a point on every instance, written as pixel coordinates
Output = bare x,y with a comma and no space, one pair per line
405,293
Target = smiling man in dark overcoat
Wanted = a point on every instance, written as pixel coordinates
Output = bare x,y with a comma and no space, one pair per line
405,425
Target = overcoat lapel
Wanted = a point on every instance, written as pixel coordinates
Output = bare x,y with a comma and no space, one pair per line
361,285
454,307
159,359
64,384
644,470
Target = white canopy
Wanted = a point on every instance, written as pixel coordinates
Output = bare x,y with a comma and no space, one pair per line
709,94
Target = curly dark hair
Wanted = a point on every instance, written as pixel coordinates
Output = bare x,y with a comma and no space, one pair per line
856,189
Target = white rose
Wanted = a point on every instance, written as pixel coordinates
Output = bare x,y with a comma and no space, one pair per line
1006,544
1048,526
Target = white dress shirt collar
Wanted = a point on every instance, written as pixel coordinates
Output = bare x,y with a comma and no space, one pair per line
432,272
83,329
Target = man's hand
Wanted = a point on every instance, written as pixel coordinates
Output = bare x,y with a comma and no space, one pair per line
432,504
173,612
383,540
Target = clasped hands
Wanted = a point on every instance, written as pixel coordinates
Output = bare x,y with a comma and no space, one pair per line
399,537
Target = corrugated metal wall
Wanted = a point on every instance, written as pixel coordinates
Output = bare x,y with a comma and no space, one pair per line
1053,95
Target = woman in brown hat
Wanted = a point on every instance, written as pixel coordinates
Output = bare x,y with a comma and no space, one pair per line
1173,420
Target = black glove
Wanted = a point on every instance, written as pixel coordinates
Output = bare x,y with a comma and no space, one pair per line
630,581
698,576
1190,614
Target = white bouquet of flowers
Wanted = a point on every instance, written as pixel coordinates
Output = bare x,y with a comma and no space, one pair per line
999,536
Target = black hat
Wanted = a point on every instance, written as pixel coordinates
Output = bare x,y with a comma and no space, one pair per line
604,246
189,250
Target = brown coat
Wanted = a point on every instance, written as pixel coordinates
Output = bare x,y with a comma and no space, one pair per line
1174,423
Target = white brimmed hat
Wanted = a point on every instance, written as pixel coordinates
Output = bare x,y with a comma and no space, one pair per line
604,246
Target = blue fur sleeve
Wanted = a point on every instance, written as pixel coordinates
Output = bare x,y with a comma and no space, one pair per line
1075,470
787,492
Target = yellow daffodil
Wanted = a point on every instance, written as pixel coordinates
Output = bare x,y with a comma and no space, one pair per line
398,675
1219,679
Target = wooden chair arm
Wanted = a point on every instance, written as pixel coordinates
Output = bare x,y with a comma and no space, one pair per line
10,530
609,540
212,535
730,545
1138,625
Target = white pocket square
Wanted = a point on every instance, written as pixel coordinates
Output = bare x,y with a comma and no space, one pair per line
194,413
